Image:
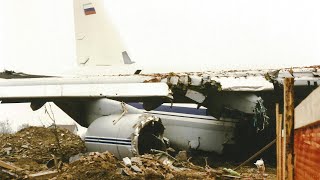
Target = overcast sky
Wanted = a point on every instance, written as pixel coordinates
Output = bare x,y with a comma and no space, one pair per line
38,36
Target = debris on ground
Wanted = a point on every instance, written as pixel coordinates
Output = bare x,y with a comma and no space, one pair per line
232,172
33,153
148,166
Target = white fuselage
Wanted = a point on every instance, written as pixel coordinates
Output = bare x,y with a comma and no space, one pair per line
186,127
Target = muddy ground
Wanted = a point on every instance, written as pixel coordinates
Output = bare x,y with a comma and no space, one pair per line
38,149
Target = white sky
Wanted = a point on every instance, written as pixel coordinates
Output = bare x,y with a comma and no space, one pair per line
19,114
38,36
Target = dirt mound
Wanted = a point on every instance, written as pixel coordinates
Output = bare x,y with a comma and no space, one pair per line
106,166
32,147
92,166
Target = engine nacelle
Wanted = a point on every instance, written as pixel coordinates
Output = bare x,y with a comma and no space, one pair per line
117,134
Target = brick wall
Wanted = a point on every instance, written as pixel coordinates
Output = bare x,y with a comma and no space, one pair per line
307,152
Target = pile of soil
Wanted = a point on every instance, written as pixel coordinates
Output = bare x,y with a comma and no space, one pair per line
91,166
149,166
31,148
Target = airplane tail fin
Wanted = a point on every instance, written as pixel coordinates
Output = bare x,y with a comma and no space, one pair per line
97,41
126,58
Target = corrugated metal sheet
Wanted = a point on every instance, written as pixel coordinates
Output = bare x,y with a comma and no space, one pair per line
307,152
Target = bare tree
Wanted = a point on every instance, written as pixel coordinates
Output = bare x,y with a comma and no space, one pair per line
5,127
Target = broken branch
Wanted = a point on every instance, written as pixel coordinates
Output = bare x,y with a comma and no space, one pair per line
257,153
9,166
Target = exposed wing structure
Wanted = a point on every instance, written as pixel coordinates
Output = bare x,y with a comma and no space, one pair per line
154,85
243,80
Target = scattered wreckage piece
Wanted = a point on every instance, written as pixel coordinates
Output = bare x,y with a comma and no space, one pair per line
161,166
147,166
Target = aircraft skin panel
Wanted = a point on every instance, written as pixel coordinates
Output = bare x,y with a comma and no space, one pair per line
244,83
178,110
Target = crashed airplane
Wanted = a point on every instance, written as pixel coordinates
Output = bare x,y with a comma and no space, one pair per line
129,112
200,111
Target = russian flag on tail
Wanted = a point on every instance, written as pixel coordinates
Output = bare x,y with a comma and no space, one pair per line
89,9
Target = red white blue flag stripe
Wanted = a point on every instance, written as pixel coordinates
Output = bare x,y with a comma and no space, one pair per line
89,9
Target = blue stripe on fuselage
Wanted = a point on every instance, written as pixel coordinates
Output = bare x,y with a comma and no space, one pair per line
106,142
102,140
107,139
175,109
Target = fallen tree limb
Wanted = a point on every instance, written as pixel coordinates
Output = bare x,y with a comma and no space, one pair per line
257,153
9,166
10,173
43,175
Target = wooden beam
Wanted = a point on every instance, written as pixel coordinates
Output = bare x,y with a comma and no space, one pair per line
278,145
282,149
9,166
289,125
43,175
